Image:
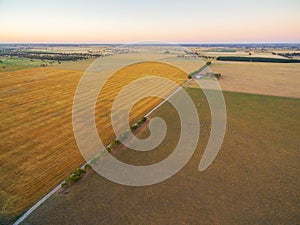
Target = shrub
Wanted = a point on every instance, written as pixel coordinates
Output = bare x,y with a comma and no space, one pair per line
87,167
79,172
94,159
108,148
75,176
134,127
124,135
217,75
141,121
72,178
190,76
64,185
114,143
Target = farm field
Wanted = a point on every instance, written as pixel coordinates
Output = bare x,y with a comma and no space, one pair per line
278,79
37,147
253,180
242,53
149,112
189,65
14,63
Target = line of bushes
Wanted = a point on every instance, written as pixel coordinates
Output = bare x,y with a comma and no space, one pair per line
199,70
113,144
256,59
75,176
79,172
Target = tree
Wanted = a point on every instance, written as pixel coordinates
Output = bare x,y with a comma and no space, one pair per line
217,75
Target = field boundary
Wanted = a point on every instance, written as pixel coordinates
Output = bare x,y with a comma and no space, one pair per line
36,205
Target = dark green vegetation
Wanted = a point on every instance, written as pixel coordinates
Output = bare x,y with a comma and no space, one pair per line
287,55
74,177
15,58
199,70
217,75
45,55
138,124
253,180
256,59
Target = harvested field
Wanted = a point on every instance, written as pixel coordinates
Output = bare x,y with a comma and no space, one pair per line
259,78
242,53
38,149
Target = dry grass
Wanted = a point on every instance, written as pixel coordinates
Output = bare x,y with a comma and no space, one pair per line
278,79
244,54
38,149
80,65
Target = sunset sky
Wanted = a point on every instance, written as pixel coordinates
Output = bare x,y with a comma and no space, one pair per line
121,21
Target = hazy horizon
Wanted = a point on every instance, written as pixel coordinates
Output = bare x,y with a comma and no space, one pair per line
117,22
124,43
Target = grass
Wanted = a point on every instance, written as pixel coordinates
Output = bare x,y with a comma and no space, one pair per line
15,63
253,180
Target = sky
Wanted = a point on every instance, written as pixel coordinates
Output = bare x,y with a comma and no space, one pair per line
123,21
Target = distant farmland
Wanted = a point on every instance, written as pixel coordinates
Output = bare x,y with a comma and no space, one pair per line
37,145
256,59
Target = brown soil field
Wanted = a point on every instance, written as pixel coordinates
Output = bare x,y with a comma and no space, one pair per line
253,180
278,79
37,147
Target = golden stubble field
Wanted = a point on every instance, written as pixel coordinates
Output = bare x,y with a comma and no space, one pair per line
37,146
276,79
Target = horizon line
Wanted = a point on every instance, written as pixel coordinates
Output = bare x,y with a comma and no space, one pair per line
126,43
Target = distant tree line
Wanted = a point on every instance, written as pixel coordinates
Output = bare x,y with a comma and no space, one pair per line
256,59
47,55
289,55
